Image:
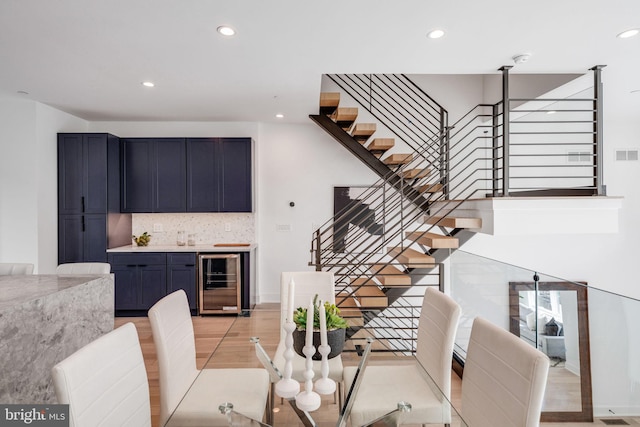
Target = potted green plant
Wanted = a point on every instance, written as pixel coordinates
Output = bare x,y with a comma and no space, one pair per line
336,328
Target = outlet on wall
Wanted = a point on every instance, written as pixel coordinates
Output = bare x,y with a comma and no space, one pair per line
227,226
157,228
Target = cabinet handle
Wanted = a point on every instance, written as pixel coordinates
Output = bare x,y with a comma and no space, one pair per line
189,265
83,223
82,202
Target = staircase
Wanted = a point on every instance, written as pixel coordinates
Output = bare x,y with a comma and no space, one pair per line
376,271
389,242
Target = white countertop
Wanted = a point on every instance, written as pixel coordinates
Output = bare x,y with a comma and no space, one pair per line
185,248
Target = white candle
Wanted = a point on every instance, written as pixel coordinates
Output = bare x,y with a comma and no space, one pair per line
290,299
323,324
310,310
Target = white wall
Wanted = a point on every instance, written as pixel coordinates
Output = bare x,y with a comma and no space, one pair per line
28,181
300,164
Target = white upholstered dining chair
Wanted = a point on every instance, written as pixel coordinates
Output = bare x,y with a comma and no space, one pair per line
105,382
383,386
84,268
504,379
15,268
199,393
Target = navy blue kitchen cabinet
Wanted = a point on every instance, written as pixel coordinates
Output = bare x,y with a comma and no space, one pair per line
235,185
88,193
181,274
82,177
140,281
219,175
153,175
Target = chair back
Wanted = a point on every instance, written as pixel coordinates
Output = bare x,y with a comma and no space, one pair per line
437,328
504,379
84,268
307,285
14,269
105,382
174,339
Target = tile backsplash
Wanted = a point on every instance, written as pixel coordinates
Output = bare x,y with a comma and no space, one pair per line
209,228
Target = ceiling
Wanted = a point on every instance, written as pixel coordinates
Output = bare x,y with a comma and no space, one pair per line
89,57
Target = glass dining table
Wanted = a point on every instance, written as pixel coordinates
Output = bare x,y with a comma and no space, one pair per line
252,340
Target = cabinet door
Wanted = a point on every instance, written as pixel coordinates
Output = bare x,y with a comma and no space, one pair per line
95,238
169,175
181,274
70,239
95,173
137,190
70,174
153,284
203,175
82,173
235,167
127,287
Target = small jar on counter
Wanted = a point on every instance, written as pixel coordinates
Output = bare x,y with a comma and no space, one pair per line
191,240
181,239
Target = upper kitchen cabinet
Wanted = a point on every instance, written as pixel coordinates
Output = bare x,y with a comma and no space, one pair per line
82,173
153,175
89,197
219,175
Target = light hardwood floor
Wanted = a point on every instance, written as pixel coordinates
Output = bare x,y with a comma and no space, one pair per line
229,337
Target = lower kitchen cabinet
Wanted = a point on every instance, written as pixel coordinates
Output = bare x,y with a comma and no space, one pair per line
82,238
141,279
181,274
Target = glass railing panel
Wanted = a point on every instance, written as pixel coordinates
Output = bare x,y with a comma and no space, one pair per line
589,334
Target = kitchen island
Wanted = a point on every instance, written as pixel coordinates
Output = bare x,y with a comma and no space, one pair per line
43,320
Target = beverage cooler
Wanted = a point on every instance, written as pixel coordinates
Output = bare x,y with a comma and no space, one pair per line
219,283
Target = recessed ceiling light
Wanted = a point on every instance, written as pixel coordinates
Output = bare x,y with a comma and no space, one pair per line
148,84
435,34
551,112
279,115
226,31
628,33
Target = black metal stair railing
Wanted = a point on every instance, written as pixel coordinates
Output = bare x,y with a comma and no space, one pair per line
482,154
405,109
360,252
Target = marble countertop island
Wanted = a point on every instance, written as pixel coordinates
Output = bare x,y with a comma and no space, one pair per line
43,320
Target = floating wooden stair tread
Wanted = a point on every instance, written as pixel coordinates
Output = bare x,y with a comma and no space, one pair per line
388,275
362,131
380,145
430,188
415,173
398,159
329,101
349,307
369,294
345,116
412,258
433,240
454,222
